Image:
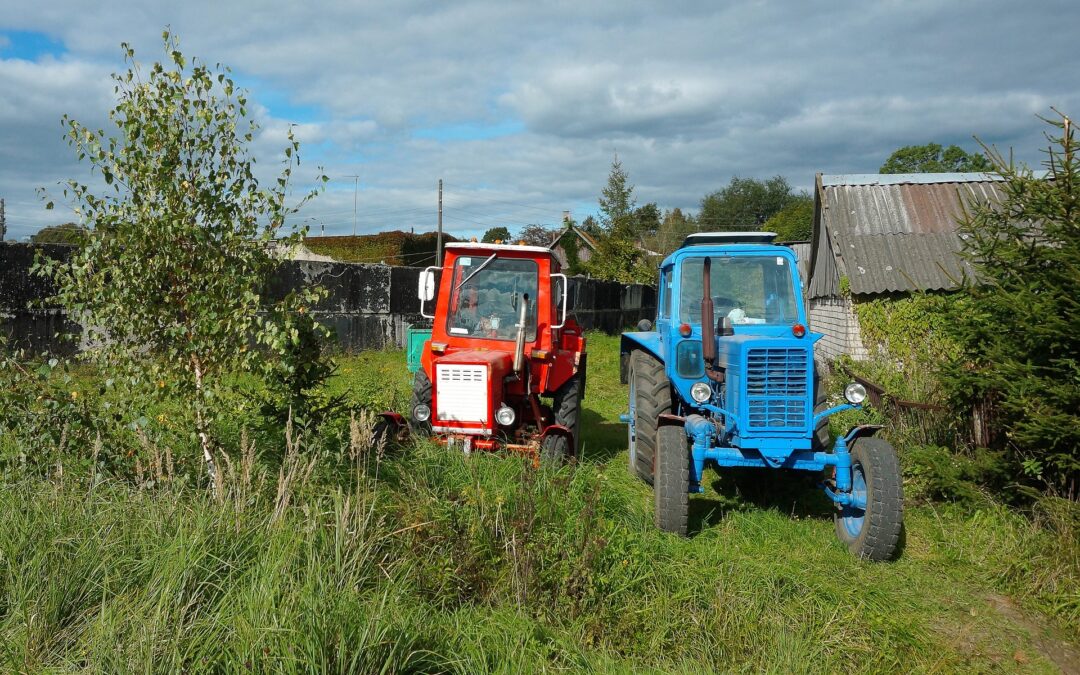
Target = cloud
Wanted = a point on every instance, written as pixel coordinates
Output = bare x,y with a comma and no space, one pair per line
520,107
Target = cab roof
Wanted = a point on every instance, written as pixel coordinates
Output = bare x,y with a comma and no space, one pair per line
722,238
475,246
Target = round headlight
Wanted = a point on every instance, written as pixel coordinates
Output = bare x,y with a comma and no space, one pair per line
421,412
505,415
855,393
701,392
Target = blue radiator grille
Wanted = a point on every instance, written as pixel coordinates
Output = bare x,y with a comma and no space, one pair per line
776,388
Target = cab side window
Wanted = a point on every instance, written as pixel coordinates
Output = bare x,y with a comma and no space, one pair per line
665,294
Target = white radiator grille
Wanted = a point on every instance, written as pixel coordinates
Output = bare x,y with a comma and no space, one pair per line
461,393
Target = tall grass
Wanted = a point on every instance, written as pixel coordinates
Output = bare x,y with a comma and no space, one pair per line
324,553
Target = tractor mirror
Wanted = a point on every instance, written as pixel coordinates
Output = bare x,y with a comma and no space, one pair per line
427,285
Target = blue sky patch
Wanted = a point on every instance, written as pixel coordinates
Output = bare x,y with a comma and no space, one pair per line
28,45
470,132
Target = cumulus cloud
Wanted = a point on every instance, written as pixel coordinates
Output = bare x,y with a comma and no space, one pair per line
520,107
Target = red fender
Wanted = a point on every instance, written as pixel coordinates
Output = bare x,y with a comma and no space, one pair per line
394,418
557,430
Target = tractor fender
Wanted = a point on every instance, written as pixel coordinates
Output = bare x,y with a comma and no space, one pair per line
647,340
863,430
394,418
556,430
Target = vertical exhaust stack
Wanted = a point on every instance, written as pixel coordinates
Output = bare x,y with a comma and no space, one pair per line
708,328
519,346
708,341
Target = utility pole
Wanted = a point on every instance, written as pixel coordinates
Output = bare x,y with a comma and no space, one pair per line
438,240
3,220
356,188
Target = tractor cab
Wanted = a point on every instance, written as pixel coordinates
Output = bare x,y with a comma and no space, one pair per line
501,340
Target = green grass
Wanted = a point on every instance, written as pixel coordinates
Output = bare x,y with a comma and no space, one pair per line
428,561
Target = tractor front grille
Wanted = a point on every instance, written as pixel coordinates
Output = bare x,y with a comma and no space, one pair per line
776,393
461,393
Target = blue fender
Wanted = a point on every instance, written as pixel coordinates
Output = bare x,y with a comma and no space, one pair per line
647,340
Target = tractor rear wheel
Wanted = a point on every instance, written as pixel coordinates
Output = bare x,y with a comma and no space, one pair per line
566,408
873,533
650,397
421,393
671,485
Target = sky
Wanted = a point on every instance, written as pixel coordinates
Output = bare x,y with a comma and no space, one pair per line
520,108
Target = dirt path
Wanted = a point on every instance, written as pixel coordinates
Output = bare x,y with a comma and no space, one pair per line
1050,644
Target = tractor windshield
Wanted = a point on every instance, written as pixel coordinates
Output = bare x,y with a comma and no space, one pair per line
747,290
486,297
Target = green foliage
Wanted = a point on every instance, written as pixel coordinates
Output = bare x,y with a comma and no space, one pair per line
623,260
932,158
168,284
1018,325
794,222
616,198
934,473
393,247
297,376
496,234
535,235
427,560
67,233
745,204
912,336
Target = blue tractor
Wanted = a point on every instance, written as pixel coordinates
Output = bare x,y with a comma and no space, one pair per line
726,376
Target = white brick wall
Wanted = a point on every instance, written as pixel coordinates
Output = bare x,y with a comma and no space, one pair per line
833,317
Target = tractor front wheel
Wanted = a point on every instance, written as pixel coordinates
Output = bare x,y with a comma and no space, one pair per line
421,393
566,407
671,482
873,533
650,397
554,450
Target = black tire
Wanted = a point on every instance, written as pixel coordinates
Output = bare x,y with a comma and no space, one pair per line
554,451
877,535
421,393
566,407
672,482
652,394
822,437
385,436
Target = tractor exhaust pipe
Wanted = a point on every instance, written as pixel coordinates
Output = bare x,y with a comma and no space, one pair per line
708,341
519,346
708,327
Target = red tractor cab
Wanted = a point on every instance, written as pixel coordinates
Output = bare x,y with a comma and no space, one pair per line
505,366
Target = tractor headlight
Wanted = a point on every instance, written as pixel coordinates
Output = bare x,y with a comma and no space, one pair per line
505,415
421,412
855,393
701,392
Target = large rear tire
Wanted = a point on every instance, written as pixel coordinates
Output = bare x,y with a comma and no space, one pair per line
873,533
650,397
672,481
421,393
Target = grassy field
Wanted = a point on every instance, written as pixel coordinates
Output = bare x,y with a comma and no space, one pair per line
327,556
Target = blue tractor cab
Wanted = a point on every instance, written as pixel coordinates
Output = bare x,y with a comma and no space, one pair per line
726,376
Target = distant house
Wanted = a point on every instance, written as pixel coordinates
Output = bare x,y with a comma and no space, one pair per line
880,235
586,245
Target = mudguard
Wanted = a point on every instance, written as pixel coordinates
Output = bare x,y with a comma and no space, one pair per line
647,340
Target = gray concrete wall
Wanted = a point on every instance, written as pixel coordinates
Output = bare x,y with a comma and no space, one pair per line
368,307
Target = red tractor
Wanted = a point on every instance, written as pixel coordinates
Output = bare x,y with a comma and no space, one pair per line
500,341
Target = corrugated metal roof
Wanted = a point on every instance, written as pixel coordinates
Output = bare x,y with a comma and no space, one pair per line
890,235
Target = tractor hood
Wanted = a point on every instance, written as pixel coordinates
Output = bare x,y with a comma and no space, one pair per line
770,382
467,388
